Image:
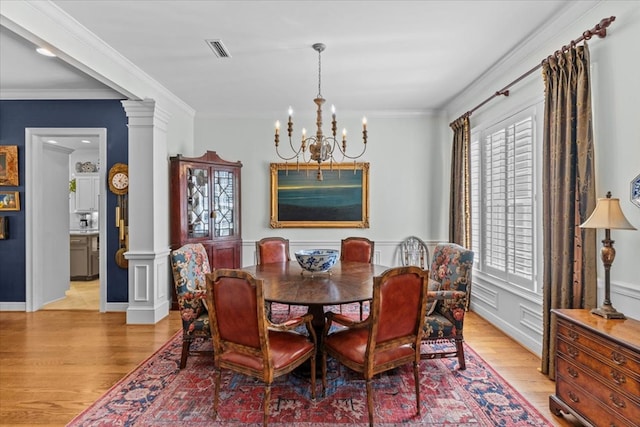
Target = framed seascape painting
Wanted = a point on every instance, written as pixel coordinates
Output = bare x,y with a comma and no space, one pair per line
9,201
9,165
339,200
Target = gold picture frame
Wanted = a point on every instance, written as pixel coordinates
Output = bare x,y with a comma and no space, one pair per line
9,201
9,165
300,200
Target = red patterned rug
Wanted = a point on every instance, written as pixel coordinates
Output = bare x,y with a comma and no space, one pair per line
158,393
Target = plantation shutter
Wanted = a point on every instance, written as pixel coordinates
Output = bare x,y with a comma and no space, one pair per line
508,187
476,215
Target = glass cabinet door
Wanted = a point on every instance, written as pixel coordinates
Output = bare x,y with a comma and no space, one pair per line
223,203
198,202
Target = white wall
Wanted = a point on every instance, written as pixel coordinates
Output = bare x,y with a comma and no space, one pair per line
409,178
616,111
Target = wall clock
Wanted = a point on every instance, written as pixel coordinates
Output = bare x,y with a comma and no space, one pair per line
119,185
119,179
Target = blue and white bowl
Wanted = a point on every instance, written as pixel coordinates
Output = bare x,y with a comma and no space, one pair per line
317,260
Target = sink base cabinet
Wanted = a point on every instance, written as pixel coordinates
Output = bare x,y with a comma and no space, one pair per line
85,261
597,369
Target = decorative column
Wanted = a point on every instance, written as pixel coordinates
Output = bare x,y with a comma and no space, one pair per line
148,253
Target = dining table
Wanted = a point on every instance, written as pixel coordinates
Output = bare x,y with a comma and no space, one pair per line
288,283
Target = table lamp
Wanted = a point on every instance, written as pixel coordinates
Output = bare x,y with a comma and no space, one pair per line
608,215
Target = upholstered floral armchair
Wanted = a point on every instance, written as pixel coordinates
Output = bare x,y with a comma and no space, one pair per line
451,266
190,264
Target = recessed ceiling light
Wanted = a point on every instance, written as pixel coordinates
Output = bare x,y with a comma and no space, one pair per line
86,141
45,52
52,141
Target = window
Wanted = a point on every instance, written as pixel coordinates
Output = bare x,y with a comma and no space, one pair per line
503,204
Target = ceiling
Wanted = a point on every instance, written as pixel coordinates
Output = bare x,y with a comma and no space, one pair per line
382,57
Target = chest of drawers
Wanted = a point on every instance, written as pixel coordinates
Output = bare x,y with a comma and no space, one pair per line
597,369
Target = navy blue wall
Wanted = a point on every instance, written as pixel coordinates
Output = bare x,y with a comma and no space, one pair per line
15,116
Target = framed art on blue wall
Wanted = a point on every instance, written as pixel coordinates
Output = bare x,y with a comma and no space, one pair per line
339,200
9,165
9,201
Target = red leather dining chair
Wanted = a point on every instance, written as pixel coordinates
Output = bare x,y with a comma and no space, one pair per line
389,337
272,249
246,342
357,249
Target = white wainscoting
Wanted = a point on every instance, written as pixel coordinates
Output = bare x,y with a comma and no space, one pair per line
515,311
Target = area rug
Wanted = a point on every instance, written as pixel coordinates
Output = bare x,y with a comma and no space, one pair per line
158,393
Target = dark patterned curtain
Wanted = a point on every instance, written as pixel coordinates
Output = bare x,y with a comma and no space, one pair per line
460,193
568,190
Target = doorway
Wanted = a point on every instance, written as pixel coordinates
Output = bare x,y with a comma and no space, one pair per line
39,220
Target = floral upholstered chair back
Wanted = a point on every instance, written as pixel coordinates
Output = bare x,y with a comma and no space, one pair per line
190,264
451,267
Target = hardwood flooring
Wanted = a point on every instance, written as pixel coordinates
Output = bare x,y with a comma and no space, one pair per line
54,364
80,296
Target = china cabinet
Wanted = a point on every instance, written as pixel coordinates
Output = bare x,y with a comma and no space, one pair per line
205,208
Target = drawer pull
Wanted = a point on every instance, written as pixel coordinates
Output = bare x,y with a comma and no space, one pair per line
573,352
618,358
618,378
573,335
573,397
617,402
572,372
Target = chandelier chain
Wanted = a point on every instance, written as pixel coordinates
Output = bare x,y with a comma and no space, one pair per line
319,73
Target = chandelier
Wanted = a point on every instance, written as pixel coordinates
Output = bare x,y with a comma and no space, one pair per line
319,147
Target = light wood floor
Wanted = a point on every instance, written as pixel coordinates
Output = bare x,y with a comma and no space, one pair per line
80,296
54,364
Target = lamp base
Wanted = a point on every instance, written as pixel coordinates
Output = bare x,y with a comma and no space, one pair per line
608,312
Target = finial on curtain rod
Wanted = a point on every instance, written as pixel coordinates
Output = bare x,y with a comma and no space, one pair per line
599,30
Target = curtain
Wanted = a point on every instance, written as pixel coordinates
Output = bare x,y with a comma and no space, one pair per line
460,190
568,190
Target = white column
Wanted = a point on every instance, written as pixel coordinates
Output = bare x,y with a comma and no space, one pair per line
148,253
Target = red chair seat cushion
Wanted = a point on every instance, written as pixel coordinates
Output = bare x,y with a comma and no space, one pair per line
285,348
352,344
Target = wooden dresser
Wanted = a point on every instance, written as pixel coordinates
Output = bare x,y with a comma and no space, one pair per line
597,369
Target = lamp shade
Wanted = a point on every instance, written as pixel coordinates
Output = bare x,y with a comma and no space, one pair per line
608,214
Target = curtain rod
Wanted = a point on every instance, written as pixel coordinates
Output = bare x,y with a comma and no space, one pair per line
599,30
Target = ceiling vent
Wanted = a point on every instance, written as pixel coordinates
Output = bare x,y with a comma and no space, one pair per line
218,48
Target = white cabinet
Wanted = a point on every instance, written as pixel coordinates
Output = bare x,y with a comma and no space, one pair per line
87,192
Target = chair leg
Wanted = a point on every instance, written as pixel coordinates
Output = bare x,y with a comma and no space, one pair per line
313,376
216,397
416,378
324,373
370,401
267,398
186,343
460,349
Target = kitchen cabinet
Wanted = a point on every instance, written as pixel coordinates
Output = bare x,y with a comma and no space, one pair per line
205,208
87,192
85,261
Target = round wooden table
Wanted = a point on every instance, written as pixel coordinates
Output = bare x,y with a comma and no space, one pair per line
288,283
